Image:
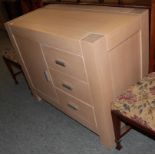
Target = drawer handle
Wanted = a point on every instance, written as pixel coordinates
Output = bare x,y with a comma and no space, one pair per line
60,63
72,107
46,75
67,87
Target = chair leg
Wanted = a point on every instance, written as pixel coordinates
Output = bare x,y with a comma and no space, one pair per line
11,70
117,130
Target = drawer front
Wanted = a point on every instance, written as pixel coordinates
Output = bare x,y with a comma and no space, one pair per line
64,62
72,86
77,109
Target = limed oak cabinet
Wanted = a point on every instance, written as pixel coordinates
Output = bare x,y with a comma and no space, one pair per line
79,58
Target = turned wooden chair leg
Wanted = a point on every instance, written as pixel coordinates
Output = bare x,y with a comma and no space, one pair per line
117,131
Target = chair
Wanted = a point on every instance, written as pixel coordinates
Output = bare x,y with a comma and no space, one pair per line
11,60
136,108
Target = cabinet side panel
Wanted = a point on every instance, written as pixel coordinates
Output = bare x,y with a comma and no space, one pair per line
125,62
109,74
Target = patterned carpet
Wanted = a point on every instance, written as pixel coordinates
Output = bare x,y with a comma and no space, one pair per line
29,126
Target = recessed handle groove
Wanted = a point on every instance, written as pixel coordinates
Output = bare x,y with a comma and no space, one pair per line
46,75
67,86
72,107
60,63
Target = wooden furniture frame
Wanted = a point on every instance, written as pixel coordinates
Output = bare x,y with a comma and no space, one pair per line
27,6
117,118
150,4
9,63
47,80
101,75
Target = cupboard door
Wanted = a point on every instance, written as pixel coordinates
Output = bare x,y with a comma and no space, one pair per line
32,56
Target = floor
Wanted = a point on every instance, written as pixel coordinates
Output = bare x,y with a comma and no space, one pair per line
30,126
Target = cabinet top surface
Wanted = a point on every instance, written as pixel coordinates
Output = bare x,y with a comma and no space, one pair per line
77,21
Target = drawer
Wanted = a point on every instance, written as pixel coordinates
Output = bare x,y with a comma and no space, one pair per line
77,109
72,86
65,62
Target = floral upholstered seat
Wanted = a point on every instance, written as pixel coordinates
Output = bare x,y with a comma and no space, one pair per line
138,102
